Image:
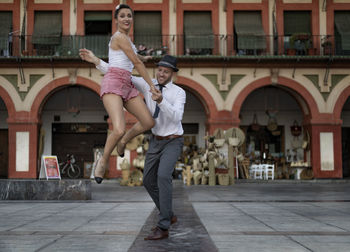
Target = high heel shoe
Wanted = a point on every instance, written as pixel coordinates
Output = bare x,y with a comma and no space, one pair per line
99,179
121,155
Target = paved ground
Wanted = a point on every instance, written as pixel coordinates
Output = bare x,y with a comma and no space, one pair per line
284,216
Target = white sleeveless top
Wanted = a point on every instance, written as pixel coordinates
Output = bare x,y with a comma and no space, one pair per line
117,58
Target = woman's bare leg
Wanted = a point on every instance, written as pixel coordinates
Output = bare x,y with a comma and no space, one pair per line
114,107
138,108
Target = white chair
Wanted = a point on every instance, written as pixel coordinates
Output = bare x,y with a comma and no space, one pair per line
269,171
256,171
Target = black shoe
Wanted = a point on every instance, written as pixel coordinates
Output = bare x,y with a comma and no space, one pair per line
98,180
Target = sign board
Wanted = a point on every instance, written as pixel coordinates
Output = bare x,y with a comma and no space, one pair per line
50,168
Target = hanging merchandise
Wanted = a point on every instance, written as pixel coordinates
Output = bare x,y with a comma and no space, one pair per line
272,122
235,136
295,129
255,125
219,137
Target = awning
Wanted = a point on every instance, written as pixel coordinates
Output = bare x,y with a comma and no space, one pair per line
342,23
98,16
47,28
249,30
148,29
198,31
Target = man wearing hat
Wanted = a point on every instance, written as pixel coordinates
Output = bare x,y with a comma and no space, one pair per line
167,107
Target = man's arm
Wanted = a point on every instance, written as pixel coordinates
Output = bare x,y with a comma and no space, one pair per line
174,111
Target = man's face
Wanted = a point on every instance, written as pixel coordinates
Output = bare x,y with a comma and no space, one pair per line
164,75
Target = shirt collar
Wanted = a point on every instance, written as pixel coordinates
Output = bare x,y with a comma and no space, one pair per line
168,85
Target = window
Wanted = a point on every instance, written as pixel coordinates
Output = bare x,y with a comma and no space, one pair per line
47,35
249,33
5,33
297,22
148,32
297,31
98,22
342,32
98,31
198,33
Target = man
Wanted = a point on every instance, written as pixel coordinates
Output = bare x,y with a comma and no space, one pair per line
167,107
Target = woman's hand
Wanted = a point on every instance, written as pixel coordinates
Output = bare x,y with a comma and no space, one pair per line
153,89
157,96
89,56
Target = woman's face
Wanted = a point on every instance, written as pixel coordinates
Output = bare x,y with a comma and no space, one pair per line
124,20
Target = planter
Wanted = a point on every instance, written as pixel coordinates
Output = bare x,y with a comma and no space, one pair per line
291,51
311,51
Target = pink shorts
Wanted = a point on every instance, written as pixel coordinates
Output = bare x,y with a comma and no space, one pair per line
118,81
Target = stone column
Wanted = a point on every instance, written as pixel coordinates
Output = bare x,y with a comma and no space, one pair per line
326,150
23,146
223,120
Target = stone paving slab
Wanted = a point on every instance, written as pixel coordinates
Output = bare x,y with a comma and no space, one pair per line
249,226
59,227
243,217
188,234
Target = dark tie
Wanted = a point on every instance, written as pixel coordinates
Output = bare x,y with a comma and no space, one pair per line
156,112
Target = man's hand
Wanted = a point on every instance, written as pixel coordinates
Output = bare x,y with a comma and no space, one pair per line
88,56
157,96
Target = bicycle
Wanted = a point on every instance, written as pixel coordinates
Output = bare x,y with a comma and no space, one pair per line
69,167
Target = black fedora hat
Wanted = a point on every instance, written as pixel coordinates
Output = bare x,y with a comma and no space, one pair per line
168,61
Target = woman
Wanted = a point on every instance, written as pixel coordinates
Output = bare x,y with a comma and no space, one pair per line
117,89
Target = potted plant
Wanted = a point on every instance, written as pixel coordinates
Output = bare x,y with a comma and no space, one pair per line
303,40
309,47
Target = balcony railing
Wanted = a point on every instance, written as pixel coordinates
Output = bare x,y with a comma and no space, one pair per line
180,45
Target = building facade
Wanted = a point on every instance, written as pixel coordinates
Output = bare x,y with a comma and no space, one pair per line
242,63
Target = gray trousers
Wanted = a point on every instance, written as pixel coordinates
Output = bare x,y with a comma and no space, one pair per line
161,158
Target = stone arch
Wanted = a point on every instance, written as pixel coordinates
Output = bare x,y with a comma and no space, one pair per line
344,95
303,97
200,92
55,85
11,110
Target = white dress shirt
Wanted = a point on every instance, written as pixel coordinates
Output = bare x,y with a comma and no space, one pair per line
171,108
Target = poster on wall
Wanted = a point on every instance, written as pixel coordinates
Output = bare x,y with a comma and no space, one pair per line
49,168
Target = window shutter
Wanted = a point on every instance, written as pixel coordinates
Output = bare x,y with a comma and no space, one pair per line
342,24
148,29
198,30
249,30
47,28
297,22
98,16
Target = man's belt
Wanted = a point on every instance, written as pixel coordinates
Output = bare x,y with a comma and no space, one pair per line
167,137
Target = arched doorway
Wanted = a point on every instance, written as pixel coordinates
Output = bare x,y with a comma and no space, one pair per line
4,154
269,142
345,116
73,122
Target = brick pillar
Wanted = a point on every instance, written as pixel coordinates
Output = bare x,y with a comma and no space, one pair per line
326,150
223,120
23,146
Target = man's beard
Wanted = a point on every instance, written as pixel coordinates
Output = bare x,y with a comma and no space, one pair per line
165,81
